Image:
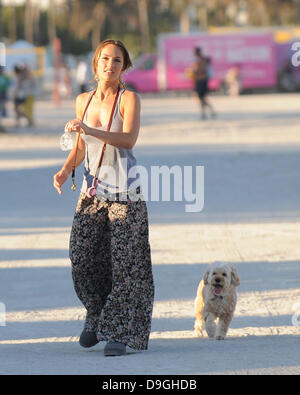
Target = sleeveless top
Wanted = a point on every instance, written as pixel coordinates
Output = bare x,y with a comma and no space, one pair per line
114,174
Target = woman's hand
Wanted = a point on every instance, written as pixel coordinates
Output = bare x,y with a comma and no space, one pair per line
59,179
76,125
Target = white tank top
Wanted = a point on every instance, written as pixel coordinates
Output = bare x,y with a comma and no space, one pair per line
113,175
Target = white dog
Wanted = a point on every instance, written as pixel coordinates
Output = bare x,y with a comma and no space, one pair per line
216,298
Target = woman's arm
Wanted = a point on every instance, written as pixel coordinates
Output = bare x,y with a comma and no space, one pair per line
130,109
62,175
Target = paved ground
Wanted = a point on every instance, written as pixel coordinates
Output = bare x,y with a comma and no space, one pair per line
251,217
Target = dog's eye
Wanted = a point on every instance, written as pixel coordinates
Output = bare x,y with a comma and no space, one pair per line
224,274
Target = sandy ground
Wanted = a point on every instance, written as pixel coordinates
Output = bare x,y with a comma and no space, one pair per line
251,217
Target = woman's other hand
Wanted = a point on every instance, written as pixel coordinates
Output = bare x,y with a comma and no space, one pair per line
59,179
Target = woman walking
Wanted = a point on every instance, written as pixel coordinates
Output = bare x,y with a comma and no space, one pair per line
109,246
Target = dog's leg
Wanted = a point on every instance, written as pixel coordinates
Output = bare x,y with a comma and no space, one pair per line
199,323
198,326
222,327
210,325
201,316
199,311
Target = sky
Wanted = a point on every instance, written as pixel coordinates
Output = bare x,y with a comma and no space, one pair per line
42,3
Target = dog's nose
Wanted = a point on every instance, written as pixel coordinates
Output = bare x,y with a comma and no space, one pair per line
218,280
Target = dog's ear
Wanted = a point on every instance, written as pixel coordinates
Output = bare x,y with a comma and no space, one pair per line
205,277
234,277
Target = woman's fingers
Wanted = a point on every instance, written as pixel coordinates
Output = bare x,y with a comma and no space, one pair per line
57,187
73,126
58,181
56,184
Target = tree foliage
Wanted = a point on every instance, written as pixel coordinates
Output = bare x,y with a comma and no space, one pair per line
82,24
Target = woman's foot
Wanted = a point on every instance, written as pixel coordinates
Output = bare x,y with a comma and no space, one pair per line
114,349
88,339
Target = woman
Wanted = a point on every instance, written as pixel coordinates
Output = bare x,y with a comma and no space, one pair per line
109,247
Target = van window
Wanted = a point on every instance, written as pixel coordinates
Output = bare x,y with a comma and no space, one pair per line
148,64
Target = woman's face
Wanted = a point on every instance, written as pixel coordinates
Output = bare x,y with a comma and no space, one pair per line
110,63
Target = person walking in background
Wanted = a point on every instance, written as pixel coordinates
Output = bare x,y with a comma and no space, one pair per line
4,85
109,243
65,86
209,69
200,72
24,94
82,76
233,81
28,81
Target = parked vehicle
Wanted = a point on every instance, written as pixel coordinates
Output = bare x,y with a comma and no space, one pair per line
144,76
257,56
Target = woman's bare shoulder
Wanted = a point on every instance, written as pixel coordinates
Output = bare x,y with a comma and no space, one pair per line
82,98
131,97
81,101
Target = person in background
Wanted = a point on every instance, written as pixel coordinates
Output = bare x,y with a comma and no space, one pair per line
82,76
200,70
29,102
209,69
24,94
233,81
4,85
65,86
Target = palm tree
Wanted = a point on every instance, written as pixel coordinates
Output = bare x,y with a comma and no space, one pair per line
88,16
1,22
144,24
99,16
28,25
12,27
181,7
51,21
36,13
198,9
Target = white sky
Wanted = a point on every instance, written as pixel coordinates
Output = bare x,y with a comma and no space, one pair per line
43,3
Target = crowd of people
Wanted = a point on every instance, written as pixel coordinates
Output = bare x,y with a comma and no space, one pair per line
20,88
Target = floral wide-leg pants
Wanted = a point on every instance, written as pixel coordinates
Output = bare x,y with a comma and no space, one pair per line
111,269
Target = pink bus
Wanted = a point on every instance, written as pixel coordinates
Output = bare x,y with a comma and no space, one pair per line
253,53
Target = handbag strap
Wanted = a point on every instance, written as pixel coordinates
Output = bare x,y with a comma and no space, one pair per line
73,187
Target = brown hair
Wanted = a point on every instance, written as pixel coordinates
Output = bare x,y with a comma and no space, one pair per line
127,61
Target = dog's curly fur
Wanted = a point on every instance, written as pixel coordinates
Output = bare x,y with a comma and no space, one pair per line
216,299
